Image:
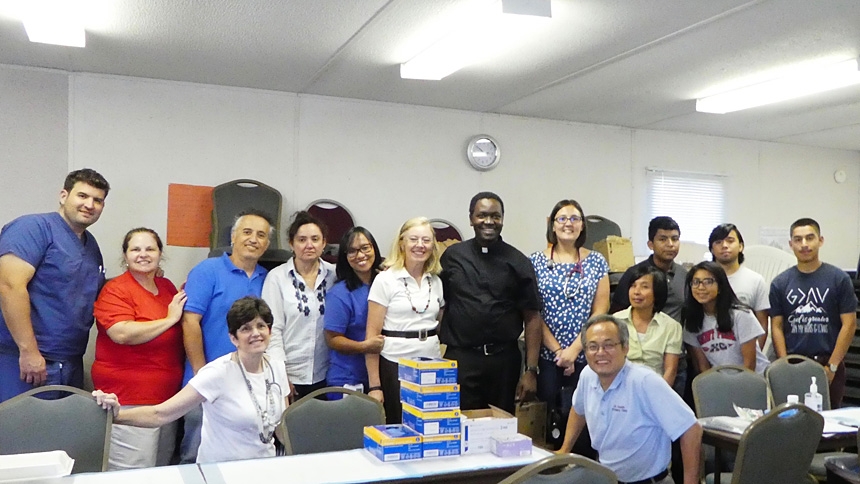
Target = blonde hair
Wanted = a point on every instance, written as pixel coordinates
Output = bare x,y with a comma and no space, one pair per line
396,259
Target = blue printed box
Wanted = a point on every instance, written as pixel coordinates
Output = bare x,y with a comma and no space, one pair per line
432,422
428,371
391,443
441,445
430,397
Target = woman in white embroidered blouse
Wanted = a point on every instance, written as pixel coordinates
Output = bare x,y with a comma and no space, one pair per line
296,292
404,305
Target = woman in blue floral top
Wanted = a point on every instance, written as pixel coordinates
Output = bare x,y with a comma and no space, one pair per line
574,285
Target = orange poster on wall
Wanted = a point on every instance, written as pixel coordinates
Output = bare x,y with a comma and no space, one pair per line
189,215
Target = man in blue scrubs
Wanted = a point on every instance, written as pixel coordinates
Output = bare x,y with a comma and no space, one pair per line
51,271
212,287
633,415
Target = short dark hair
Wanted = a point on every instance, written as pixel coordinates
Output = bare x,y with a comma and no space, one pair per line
88,176
660,286
623,332
803,222
722,231
301,218
550,233
141,230
343,270
661,223
483,195
245,310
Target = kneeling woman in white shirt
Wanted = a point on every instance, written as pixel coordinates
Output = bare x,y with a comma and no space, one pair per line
243,393
404,305
718,328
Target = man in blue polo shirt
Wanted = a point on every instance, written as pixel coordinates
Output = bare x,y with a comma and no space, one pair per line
51,271
212,287
632,414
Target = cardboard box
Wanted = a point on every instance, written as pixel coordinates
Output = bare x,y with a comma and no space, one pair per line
392,443
432,422
441,445
430,397
531,421
618,251
478,426
428,371
511,445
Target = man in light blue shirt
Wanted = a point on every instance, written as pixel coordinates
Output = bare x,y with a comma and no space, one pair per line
632,414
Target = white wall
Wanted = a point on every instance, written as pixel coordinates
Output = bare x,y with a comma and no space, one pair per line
389,162
33,140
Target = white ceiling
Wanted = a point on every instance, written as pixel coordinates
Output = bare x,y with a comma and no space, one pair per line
632,63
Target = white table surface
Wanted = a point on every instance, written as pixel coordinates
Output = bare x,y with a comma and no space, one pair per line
184,474
353,466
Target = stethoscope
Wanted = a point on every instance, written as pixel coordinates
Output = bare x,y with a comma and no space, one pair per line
577,268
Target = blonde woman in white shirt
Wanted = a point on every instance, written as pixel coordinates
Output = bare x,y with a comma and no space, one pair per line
296,293
404,305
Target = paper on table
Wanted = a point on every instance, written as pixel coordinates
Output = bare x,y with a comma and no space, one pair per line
735,425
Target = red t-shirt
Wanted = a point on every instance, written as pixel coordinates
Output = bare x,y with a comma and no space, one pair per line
144,374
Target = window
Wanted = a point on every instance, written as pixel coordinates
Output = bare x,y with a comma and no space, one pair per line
694,200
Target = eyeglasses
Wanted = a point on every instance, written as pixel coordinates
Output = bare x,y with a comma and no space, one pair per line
574,219
606,347
707,282
414,240
365,249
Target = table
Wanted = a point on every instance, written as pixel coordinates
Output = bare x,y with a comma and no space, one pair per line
357,466
346,467
724,440
184,474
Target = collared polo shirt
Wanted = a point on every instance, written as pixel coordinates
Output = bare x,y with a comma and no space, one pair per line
212,287
633,423
663,335
69,274
486,291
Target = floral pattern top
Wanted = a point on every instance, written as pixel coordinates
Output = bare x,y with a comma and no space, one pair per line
568,292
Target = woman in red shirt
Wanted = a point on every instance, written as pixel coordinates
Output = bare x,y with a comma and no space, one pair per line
139,352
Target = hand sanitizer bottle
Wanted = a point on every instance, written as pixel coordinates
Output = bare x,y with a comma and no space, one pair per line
813,398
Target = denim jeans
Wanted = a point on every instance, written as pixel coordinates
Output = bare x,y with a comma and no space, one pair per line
193,422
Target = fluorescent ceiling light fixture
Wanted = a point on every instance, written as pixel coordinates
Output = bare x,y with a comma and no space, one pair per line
486,32
55,22
817,79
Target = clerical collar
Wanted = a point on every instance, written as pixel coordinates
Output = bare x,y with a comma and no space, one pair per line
489,248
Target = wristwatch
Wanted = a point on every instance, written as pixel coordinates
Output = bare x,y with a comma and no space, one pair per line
833,367
533,369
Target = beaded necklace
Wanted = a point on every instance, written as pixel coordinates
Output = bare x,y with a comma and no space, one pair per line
268,422
429,295
302,298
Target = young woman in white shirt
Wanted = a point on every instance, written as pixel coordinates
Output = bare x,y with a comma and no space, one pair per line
243,393
718,328
404,305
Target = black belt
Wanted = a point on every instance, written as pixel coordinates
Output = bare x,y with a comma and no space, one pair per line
421,334
659,477
491,349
